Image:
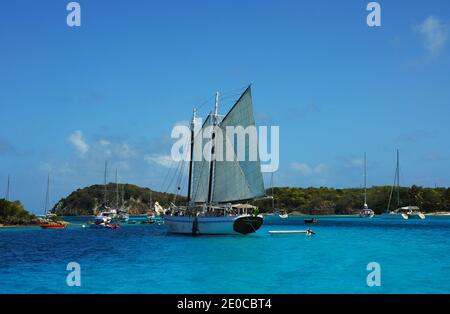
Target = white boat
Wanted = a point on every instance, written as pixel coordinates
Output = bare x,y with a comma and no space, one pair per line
283,216
103,217
366,212
413,212
215,185
405,212
281,232
395,215
227,224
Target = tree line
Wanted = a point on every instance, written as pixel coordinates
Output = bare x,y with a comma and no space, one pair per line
325,200
13,213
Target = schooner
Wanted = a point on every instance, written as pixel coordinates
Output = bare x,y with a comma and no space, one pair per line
219,189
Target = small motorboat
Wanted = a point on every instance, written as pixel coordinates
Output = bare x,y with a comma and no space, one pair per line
311,221
112,226
307,232
103,226
366,212
52,225
102,222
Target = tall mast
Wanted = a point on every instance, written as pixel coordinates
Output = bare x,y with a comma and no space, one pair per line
398,178
7,189
191,159
365,180
271,183
47,196
213,154
117,192
151,199
122,195
104,183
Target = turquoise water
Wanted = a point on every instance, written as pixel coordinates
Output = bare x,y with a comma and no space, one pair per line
414,257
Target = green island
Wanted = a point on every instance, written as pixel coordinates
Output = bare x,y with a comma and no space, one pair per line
132,198
14,214
348,201
306,201
296,201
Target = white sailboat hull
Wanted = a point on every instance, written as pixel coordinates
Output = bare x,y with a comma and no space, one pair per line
241,224
400,216
366,213
416,216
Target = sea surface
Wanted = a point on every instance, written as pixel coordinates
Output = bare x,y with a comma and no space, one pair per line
414,257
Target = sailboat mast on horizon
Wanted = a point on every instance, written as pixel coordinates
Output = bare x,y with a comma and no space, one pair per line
7,193
47,196
104,184
366,212
50,220
406,212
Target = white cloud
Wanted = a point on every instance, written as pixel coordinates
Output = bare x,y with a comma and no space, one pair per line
354,163
162,160
104,142
45,166
306,169
63,168
302,168
125,151
120,150
434,33
320,169
76,138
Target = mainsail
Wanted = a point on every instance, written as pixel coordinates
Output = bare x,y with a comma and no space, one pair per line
234,180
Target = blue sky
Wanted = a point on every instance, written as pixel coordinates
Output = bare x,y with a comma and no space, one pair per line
114,88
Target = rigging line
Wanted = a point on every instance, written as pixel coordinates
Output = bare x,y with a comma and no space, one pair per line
172,178
224,96
392,191
177,169
180,185
180,176
167,174
205,102
177,185
236,90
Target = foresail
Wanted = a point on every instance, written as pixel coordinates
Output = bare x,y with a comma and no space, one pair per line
238,180
200,174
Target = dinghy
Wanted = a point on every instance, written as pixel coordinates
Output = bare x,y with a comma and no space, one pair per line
280,232
283,215
311,221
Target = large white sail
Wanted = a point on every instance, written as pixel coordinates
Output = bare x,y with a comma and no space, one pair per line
238,180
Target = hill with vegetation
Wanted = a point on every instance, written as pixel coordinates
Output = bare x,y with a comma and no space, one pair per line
13,213
134,199
311,201
329,201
